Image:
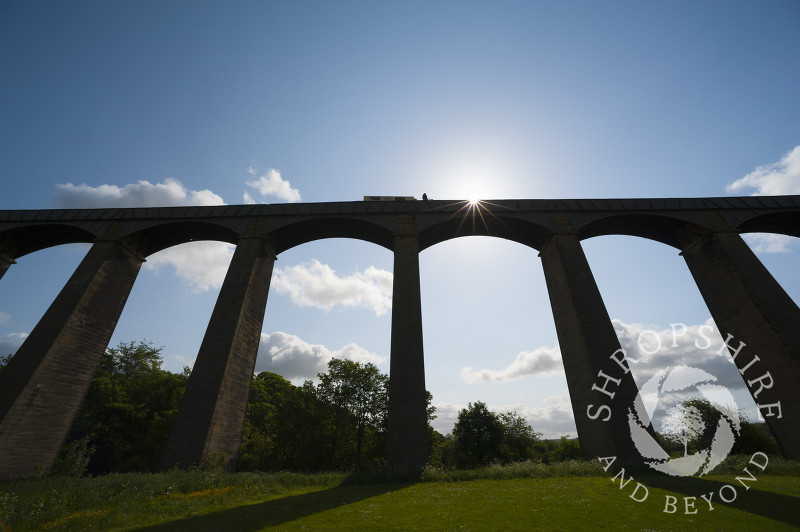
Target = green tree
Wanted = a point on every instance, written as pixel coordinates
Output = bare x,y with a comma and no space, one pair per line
267,395
128,410
337,423
284,427
478,435
359,394
559,450
481,436
519,438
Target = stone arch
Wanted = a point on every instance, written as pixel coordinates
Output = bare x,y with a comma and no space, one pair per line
162,236
668,230
466,281
525,232
15,243
230,345
582,325
783,222
748,306
297,233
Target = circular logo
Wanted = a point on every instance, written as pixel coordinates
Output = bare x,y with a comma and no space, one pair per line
685,422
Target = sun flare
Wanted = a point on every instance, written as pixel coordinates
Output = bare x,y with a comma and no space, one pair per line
474,196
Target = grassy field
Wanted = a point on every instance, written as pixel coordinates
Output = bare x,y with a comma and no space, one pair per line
568,496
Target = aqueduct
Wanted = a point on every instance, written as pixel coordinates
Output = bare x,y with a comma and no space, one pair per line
45,382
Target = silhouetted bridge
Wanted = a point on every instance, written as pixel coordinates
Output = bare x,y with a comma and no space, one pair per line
43,385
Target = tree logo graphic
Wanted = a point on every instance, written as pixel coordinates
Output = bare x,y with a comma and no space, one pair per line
713,433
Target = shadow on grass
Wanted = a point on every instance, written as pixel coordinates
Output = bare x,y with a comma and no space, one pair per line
776,506
277,511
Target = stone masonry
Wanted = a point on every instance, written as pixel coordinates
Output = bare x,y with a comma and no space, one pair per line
45,382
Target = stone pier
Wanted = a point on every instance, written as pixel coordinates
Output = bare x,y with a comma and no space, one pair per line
210,420
747,303
600,390
407,445
45,382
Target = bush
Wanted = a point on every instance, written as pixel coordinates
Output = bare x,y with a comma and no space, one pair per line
527,469
482,437
73,460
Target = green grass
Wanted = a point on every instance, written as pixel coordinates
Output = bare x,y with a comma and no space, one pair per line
590,503
529,496
126,500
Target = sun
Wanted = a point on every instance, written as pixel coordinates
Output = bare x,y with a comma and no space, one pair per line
474,196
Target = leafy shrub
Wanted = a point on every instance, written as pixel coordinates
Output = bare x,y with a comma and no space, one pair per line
74,458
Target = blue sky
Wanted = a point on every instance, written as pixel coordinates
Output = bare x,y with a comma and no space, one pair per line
174,103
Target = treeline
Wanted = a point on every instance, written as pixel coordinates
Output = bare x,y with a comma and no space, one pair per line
339,423
125,419
481,437
124,422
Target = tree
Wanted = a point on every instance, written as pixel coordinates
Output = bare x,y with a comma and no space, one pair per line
285,427
267,396
519,438
358,391
477,435
481,437
559,450
338,422
128,410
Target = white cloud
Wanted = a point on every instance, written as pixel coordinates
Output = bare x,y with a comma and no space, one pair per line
769,242
182,361
554,419
648,348
543,361
446,417
651,347
202,265
778,178
313,284
696,346
247,199
11,342
272,184
170,193
294,358
775,179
